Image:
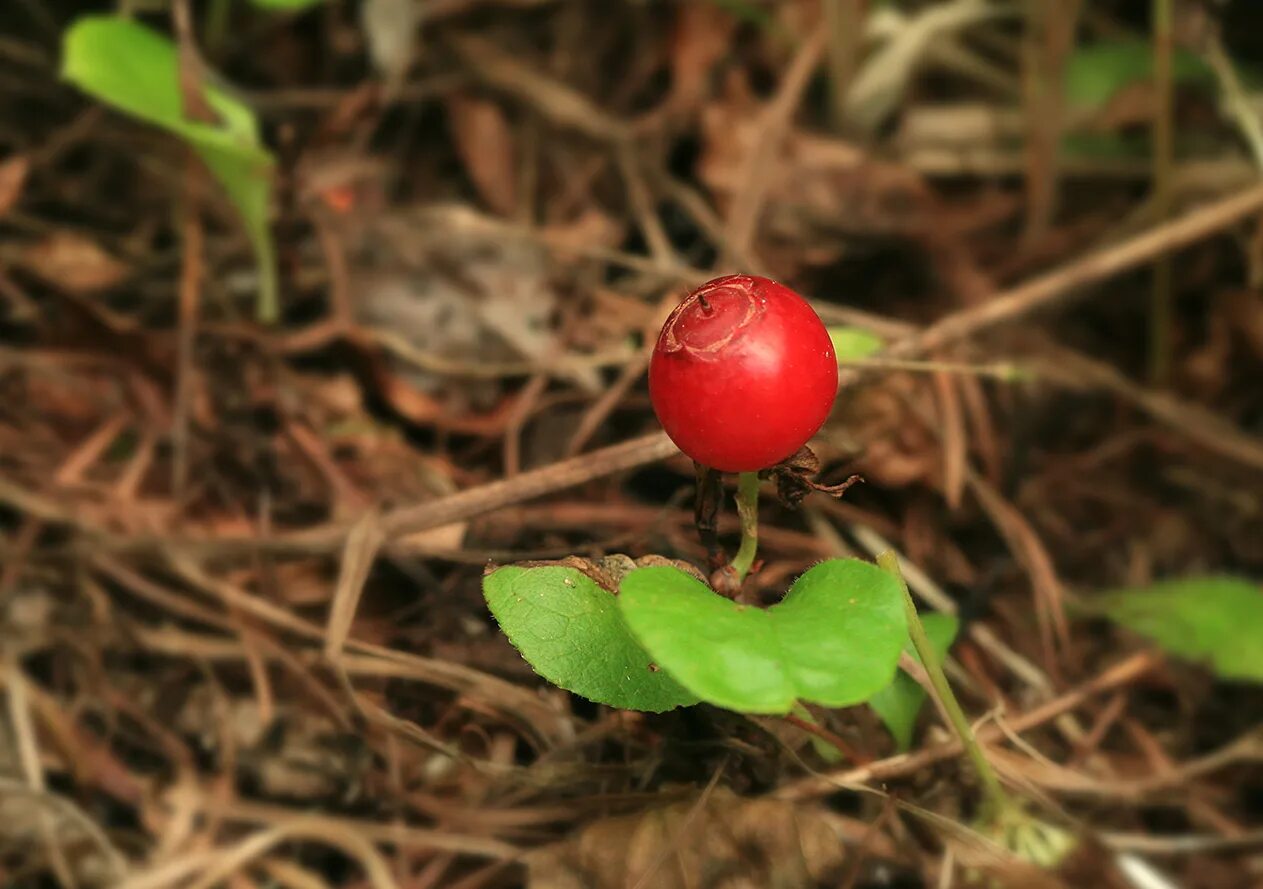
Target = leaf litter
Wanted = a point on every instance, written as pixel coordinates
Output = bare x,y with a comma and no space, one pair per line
210,682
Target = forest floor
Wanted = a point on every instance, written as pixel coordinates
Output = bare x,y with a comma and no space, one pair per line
243,635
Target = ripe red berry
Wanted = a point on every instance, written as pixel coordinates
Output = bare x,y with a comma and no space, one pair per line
743,374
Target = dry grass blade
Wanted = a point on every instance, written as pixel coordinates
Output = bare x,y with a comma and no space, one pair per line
1072,280
403,836
362,544
747,206
1204,427
556,101
29,759
201,870
74,819
878,87
1123,673
528,485
13,173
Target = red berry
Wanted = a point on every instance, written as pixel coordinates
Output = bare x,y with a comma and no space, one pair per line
743,374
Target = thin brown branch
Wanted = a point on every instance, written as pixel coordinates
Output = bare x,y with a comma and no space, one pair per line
1071,281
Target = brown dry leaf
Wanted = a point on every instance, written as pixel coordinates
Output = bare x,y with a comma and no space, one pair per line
724,841
12,177
422,409
820,190
702,36
390,26
897,450
485,143
591,228
73,263
982,863
1245,312
445,538
461,295
300,584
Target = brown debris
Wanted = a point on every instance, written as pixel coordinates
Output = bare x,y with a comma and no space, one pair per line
717,842
73,263
242,640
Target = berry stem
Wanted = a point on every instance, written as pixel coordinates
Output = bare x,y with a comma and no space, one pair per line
748,510
996,804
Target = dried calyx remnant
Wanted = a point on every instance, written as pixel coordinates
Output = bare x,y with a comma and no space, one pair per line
608,571
795,478
711,317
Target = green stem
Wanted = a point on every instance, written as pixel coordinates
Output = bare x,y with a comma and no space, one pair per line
995,801
215,26
748,510
1236,98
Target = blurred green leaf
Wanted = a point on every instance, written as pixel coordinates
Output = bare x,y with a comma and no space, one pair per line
1096,72
1217,621
899,703
854,343
570,631
285,4
744,10
135,69
1106,146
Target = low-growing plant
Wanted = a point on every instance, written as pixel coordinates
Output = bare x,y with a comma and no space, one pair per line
743,374
137,71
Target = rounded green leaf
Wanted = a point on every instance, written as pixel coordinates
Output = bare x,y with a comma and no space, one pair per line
570,631
834,640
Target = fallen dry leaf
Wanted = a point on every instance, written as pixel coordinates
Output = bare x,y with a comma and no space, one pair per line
390,26
722,841
820,190
73,263
484,141
445,537
591,228
702,36
12,177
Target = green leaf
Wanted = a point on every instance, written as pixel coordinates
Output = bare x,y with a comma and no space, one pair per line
135,69
745,10
834,640
899,703
285,4
854,343
1217,621
570,631
1096,72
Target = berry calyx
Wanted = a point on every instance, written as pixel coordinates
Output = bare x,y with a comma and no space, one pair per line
743,374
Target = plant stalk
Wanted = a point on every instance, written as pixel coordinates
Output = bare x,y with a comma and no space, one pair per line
748,510
215,26
996,802
1161,306
844,20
